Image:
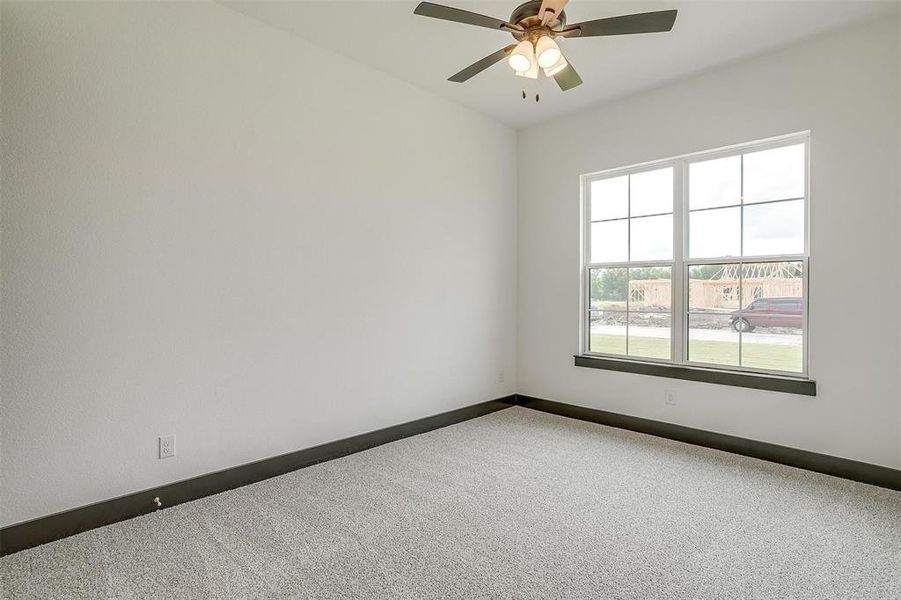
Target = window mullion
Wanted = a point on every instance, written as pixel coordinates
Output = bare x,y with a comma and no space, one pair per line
585,292
628,256
677,317
741,253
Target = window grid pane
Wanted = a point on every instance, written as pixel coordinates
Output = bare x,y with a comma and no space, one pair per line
649,335
752,312
715,183
631,217
715,233
712,341
773,174
651,193
630,311
609,198
610,241
770,208
773,228
651,238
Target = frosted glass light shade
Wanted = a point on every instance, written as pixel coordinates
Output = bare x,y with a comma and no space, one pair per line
556,68
523,57
547,51
532,73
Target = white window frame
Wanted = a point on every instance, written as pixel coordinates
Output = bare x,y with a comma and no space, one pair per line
680,263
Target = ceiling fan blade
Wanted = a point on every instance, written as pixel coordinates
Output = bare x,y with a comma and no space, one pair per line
567,79
651,22
479,66
554,6
449,13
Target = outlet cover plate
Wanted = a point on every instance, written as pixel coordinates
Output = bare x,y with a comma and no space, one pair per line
167,446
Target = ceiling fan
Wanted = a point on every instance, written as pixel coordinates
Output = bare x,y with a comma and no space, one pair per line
535,25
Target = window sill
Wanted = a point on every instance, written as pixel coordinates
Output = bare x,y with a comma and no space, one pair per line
773,383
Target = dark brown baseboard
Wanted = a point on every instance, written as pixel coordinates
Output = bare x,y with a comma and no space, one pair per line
53,527
821,463
63,524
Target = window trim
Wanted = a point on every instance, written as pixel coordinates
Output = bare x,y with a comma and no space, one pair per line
680,262
756,381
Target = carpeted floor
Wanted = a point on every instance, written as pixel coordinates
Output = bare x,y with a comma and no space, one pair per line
516,504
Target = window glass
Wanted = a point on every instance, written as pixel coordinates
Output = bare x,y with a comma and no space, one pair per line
766,284
631,311
608,301
742,273
774,228
610,198
776,174
650,289
650,335
715,232
772,324
608,333
609,288
651,192
610,241
651,238
712,340
715,183
714,288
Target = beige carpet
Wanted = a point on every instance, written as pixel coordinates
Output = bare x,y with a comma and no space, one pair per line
516,504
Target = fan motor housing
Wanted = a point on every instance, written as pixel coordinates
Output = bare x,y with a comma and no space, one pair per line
526,16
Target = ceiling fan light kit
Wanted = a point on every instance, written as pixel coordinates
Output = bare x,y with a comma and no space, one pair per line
535,25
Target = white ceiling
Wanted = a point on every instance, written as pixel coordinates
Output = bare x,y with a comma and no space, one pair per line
385,34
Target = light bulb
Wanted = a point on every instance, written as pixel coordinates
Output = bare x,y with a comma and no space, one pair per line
548,52
522,57
554,69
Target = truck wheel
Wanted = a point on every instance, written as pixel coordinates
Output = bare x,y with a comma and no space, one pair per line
742,325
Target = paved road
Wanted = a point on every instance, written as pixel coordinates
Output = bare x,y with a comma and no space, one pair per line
716,335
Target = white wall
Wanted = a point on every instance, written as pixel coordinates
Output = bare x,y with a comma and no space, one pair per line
844,88
213,229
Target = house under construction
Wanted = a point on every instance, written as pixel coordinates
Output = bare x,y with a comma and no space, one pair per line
753,280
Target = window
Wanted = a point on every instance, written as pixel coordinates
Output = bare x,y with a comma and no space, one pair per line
701,260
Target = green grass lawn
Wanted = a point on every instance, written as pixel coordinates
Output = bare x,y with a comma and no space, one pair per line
776,357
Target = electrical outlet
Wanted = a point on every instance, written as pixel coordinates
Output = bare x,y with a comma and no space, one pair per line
167,446
670,398
500,377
